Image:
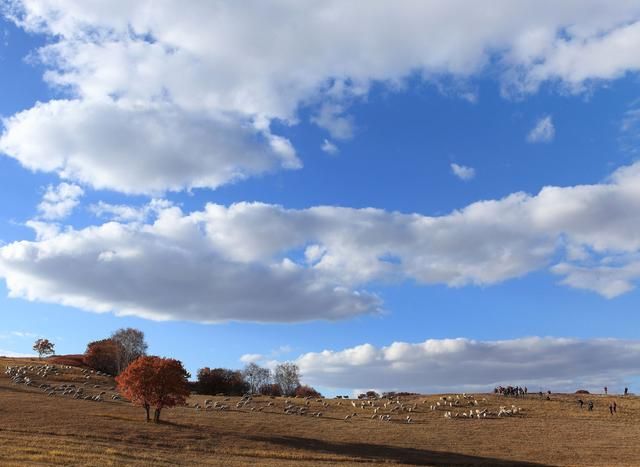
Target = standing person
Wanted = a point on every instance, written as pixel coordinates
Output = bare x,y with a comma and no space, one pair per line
611,408
590,406
626,391
615,407
605,390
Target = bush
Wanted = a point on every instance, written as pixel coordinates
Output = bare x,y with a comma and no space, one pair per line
307,391
270,390
221,381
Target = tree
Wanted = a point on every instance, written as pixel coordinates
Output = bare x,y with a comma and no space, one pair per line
44,347
154,382
287,376
270,390
256,376
103,355
221,380
131,346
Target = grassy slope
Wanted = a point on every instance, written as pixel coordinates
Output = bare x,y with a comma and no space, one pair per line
36,429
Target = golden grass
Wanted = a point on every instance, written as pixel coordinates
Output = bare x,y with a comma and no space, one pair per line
36,429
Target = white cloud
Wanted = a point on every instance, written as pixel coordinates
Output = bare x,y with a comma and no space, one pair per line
59,201
331,117
251,358
440,365
170,269
463,172
329,147
139,149
543,131
241,262
180,91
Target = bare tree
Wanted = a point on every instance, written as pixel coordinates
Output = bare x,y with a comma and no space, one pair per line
256,376
287,376
44,347
131,345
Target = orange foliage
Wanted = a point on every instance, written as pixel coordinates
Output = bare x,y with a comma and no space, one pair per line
103,356
154,382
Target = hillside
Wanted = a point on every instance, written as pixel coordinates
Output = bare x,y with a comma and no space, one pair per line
70,427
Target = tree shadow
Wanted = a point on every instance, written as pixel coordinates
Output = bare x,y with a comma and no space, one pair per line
383,453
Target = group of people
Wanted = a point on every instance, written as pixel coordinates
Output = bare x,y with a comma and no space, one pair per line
515,391
613,406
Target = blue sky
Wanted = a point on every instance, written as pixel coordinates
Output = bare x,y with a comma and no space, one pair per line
430,265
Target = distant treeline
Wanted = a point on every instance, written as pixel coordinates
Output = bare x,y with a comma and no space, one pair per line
115,353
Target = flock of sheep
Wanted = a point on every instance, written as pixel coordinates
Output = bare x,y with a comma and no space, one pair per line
97,386
383,410
84,389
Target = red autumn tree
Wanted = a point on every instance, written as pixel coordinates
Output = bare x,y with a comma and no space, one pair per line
103,355
154,382
44,347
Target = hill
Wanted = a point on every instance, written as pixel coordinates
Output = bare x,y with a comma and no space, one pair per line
69,428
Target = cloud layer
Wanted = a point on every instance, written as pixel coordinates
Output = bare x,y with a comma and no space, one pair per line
469,365
170,98
261,262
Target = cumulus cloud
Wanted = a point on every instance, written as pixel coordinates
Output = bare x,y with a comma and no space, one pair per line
262,262
171,270
543,131
139,149
59,201
180,90
442,365
463,172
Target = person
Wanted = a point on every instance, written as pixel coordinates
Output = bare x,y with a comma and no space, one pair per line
605,390
615,407
626,391
611,408
581,402
590,406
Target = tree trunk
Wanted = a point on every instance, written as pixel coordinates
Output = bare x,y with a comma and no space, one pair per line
146,408
156,415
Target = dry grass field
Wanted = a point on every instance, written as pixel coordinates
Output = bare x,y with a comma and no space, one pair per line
38,429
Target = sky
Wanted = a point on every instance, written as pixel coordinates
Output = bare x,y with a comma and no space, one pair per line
427,196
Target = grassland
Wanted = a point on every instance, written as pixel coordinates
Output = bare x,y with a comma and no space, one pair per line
37,429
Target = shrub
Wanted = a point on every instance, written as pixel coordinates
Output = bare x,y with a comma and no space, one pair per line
307,391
